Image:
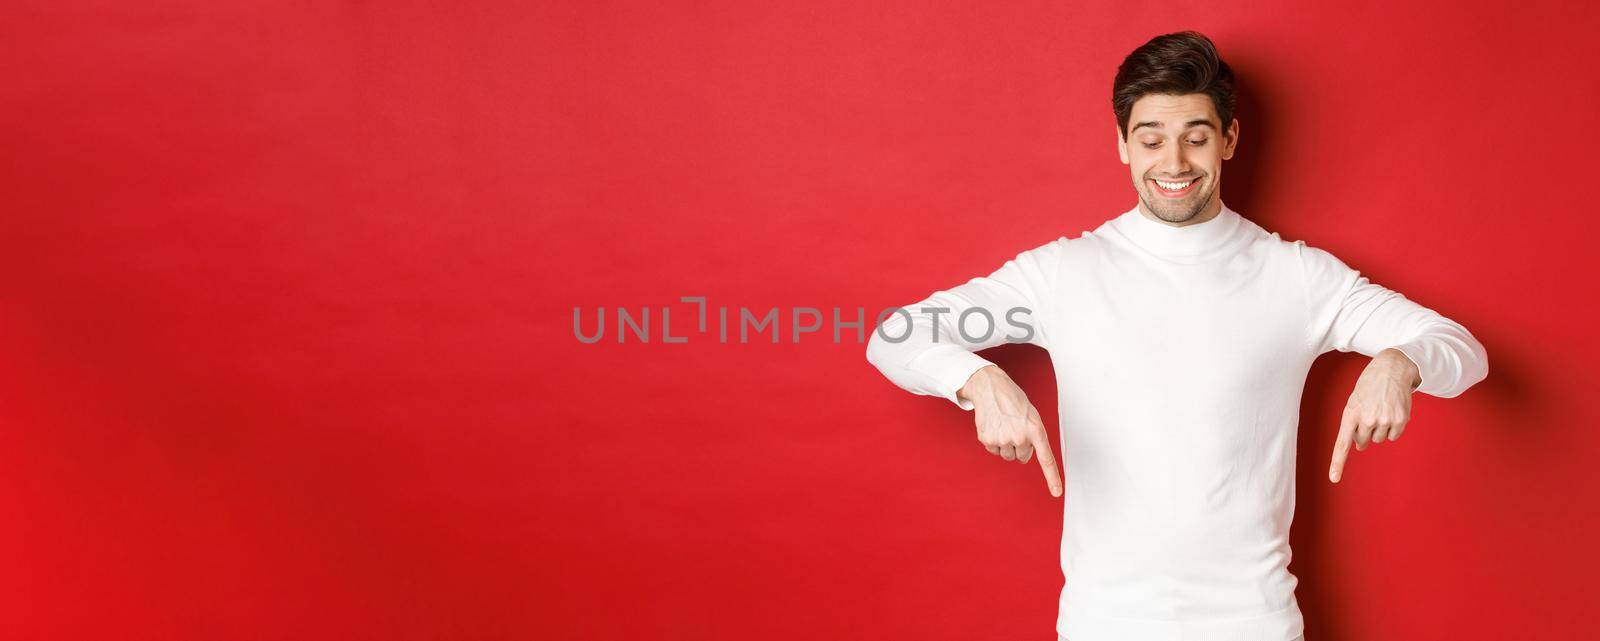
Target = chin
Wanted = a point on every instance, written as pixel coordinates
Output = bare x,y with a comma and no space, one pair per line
1175,211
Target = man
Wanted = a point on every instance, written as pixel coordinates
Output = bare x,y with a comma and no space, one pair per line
1181,334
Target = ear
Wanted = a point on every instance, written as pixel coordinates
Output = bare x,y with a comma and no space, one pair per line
1122,145
1232,139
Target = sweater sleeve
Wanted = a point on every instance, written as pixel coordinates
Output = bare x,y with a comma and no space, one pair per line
920,347
1350,313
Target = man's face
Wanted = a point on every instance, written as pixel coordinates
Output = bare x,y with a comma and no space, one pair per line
1175,148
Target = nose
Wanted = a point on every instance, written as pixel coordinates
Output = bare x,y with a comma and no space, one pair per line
1173,163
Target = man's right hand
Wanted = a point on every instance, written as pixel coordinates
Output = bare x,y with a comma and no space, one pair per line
1008,425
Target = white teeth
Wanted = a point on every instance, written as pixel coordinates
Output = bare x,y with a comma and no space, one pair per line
1174,186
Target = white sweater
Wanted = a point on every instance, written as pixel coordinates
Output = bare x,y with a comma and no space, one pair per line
1180,356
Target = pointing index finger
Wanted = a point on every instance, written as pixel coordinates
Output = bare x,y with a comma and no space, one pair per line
1341,447
1047,460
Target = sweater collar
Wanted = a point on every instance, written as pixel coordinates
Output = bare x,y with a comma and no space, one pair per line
1187,241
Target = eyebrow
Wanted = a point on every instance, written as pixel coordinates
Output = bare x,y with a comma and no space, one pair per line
1157,124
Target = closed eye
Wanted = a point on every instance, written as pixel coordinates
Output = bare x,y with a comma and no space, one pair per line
1198,143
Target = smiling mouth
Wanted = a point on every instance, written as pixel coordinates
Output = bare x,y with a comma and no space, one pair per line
1175,189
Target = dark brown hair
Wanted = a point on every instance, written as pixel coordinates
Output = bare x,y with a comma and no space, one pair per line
1176,63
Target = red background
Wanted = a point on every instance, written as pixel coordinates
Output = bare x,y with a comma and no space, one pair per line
288,287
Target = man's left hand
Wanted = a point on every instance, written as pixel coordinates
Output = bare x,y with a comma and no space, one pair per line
1378,408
